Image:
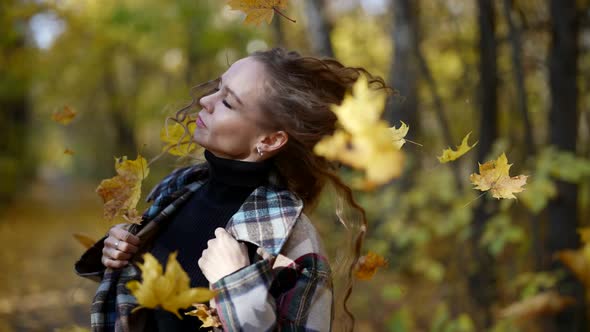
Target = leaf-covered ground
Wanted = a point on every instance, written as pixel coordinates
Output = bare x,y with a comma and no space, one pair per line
39,290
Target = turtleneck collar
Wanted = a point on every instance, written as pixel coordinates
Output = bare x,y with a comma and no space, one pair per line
236,172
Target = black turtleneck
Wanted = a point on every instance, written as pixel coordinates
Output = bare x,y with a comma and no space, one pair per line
212,205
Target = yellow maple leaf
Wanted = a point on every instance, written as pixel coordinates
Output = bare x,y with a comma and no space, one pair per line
170,290
122,192
368,264
84,240
258,11
364,141
207,316
494,176
64,116
399,134
450,155
178,141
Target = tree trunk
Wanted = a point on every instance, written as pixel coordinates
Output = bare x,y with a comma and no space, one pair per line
482,282
16,165
405,67
562,211
318,28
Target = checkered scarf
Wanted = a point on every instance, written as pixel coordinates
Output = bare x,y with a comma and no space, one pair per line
265,218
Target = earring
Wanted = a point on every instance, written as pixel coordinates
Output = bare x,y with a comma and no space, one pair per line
258,150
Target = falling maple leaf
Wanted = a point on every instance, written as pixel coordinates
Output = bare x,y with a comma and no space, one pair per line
494,176
178,141
207,316
399,134
64,116
364,141
122,192
368,264
69,152
542,304
84,240
450,155
170,290
258,11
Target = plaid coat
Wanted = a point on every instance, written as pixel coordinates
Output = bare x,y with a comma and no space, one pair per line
290,289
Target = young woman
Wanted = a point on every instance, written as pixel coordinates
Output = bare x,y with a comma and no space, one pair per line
238,220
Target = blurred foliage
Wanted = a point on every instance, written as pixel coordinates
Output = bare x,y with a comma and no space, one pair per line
125,65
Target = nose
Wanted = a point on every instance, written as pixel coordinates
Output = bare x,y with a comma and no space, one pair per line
206,103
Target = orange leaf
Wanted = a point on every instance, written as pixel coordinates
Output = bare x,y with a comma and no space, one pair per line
577,262
367,265
132,216
542,304
207,316
84,240
64,116
258,11
121,193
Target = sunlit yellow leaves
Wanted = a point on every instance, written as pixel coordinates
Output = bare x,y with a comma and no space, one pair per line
450,154
399,134
258,11
542,304
207,316
121,193
494,177
170,290
85,240
363,140
178,141
64,116
367,265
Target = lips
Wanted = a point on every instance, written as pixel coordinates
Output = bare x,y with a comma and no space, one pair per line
200,122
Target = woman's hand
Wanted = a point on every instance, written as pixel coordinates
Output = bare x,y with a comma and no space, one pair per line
119,247
223,256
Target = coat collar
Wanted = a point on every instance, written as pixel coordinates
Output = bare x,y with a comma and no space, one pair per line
265,219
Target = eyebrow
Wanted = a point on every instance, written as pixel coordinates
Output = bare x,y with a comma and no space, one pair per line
231,91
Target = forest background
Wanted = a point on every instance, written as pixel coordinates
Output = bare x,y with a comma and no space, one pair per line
515,73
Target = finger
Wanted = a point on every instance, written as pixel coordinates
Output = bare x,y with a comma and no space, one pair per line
124,235
126,247
117,254
219,232
201,263
113,263
122,246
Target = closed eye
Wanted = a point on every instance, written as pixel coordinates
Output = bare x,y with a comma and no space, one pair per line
225,103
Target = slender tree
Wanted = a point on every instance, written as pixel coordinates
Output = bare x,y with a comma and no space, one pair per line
563,117
15,111
482,282
318,27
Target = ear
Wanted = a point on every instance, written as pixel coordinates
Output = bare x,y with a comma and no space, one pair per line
271,143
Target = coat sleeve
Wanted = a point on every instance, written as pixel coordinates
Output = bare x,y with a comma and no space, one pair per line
297,297
90,265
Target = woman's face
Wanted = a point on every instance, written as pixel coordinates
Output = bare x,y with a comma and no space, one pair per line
228,124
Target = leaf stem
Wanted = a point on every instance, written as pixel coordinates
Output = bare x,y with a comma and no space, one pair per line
283,15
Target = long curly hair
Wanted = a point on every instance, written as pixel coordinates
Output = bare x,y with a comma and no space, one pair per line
299,92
